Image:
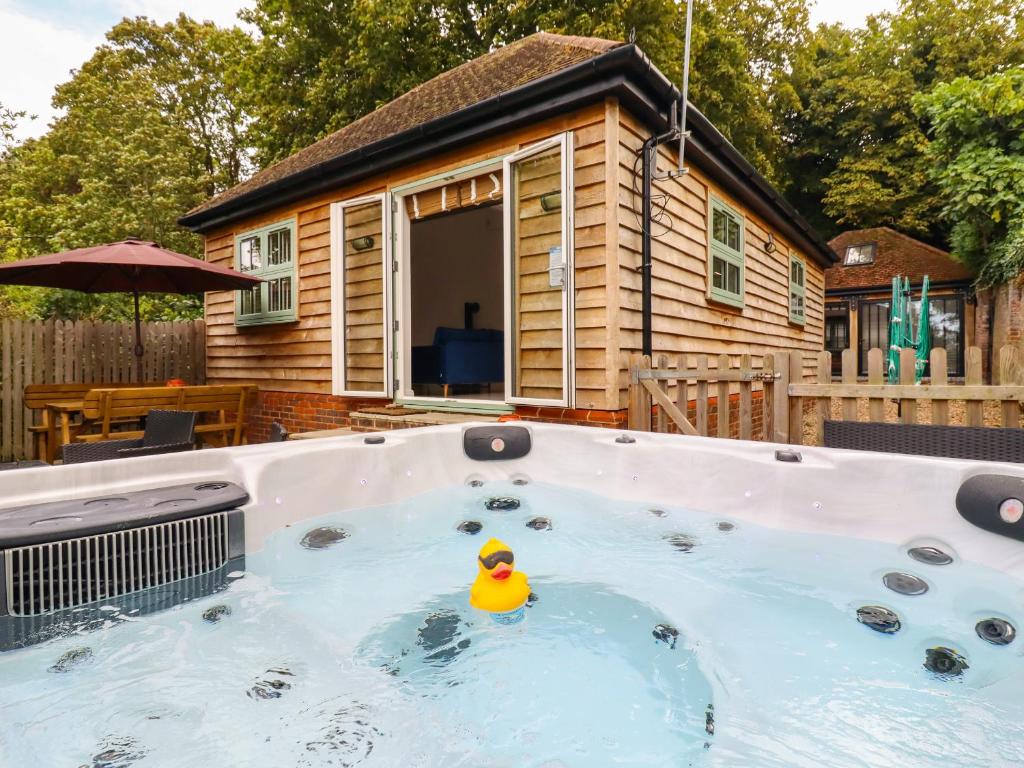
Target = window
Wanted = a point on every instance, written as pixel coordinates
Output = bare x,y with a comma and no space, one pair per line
946,317
859,254
268,253
797,290
726,255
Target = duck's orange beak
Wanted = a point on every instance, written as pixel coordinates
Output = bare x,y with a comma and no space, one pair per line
501,572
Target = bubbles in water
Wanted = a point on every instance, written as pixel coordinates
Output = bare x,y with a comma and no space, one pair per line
438,637
346,738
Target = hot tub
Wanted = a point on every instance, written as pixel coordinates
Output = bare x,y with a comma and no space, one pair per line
692,602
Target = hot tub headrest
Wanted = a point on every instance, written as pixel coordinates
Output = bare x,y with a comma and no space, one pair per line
994,503
60,520
498,442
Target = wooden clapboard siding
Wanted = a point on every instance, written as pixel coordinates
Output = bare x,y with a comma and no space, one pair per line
364,299
684,318
296,356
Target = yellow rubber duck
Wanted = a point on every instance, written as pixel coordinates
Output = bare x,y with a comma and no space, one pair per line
499,589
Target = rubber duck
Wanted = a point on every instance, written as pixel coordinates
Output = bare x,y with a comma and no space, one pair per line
499,589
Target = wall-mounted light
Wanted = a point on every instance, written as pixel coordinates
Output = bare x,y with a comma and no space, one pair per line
363,243
552,201
769,245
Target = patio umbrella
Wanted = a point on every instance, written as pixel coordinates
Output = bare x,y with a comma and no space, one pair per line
129,266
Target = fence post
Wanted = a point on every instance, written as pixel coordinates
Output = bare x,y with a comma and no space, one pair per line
662,423
639,414
722,397
908,406
746,416
849,377
1009,374
702,395
796,404
780,398
876,405
975,409
823,406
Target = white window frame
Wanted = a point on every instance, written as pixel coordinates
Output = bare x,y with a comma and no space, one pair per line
403,284
797,289
873,246
727,254
565,142
338,372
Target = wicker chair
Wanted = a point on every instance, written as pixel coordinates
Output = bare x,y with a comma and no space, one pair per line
974,443
166,432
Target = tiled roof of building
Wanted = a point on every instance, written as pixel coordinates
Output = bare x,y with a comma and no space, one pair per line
482,78
895,254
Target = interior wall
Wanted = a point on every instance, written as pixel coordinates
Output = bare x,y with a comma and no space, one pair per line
456,258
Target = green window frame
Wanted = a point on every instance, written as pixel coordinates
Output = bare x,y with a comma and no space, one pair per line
270,252
726,272
797,290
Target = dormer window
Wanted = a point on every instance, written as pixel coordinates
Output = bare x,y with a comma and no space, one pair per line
859,254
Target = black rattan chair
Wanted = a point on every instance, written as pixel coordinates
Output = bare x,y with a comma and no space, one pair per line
974,443
166,432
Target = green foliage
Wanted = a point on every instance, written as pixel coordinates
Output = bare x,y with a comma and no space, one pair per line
151,126
319,66
857,148
977,163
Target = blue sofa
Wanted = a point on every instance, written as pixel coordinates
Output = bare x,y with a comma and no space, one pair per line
460,356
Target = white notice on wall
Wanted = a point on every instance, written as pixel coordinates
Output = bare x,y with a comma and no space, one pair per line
556,268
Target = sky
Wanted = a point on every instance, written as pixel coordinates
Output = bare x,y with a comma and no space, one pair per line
41,41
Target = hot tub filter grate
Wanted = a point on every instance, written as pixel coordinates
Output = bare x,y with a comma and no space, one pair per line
43,578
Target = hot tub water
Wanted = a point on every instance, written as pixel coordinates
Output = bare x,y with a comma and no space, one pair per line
658,637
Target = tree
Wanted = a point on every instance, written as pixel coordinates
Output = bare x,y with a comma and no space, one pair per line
856,143
977,157
320,66
151,127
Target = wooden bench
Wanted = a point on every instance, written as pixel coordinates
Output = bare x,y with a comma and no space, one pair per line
108,407
36,397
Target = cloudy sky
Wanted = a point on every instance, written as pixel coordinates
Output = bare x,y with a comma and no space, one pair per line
42,40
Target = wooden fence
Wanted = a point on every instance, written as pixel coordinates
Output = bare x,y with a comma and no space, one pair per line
65,352
774,401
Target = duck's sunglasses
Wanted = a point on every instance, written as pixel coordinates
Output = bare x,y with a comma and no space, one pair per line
501,556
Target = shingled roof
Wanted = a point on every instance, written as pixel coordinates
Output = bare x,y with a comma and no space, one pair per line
482,78
896,254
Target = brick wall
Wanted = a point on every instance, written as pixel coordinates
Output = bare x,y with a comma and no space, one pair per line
301,412
757,416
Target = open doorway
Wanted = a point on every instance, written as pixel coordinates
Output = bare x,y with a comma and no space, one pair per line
457,316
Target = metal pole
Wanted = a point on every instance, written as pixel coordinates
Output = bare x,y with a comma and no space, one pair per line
684,96
138,340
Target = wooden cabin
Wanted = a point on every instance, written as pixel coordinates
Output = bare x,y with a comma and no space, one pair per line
476,245
858,295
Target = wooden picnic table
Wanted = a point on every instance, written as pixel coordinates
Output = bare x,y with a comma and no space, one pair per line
63,412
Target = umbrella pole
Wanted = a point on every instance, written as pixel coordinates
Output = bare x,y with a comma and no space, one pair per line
138,340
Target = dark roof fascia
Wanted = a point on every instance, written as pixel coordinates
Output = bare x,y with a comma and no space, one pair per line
624,72
829,292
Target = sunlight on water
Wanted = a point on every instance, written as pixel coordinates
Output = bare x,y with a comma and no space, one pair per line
658,637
